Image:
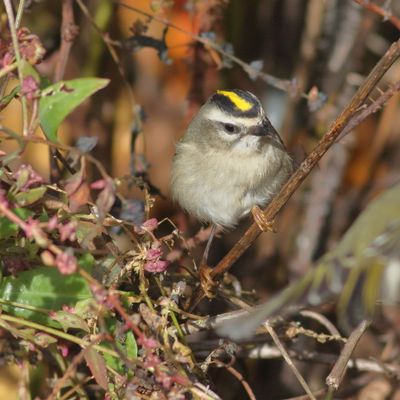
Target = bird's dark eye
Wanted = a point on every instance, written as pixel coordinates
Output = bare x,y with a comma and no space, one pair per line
230,128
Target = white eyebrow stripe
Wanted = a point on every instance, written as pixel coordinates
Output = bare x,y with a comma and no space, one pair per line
220,116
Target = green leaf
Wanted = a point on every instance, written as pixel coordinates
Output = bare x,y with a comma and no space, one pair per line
86,309
127,345
86,261
131,345
30,196
9,229
5,101
44,288
44,340
28,69
69,320
60,99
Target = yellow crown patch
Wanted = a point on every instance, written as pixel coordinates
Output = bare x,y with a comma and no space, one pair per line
239,102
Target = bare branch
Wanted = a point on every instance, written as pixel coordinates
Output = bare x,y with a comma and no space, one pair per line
69,31
337,374
340,125
387,15
288,360
239,377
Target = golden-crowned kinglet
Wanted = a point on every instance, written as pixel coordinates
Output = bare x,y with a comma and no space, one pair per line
230,159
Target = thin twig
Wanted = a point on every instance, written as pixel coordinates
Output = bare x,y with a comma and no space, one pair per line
60,146
238,376
387,15
111,48
268,352
68,373
285,355
14,37
7,69
375,106
308,50
341,123
69,31
282,84
295,330
336,376
76,388
110,45
288,360
322,320
5,79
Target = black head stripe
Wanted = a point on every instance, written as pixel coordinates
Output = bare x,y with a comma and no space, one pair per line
224,101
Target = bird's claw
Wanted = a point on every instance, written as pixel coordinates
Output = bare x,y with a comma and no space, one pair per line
263,223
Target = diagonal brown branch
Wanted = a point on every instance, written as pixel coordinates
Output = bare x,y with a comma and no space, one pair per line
238,376
340,124
336,376
387,15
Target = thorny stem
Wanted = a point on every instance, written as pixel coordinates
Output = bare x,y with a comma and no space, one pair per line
13,30
340,124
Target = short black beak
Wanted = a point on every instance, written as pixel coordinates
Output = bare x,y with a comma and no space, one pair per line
258,130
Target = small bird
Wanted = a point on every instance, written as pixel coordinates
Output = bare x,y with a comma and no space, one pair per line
230,161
